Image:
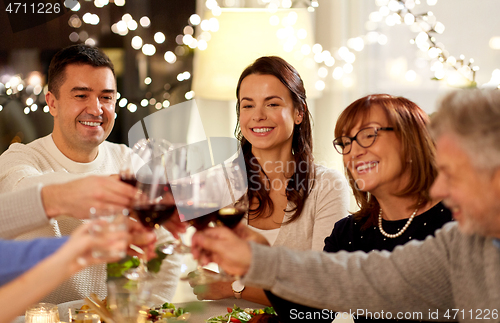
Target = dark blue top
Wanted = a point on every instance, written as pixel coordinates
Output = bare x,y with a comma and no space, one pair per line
17,257
347,235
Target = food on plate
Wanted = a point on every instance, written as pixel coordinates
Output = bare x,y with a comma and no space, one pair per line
167,311
238,315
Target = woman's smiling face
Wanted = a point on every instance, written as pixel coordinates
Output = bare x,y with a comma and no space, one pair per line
377,169
267,114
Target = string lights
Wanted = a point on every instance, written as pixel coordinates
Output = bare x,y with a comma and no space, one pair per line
427,27
338,63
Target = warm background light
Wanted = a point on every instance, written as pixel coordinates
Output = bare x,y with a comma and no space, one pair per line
244,35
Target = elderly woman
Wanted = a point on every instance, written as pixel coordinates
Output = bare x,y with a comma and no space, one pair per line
389,158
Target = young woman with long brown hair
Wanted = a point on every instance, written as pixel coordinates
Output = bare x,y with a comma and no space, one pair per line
294,202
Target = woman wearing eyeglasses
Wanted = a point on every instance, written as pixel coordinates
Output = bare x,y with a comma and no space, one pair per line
388,155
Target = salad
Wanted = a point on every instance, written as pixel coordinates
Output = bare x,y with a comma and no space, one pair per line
238,315
167,311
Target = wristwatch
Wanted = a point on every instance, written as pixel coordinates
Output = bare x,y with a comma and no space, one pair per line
238,288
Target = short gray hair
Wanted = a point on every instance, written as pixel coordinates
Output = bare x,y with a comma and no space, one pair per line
473,115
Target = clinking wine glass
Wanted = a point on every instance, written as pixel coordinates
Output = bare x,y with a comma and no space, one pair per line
214,197
133,161
182,160
236,207
153,203
140,154
235,199
198,203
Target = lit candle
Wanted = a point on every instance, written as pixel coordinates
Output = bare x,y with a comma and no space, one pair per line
42,313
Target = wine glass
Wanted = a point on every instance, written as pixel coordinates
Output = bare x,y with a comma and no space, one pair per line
153,204
236,207
140,154
182,160
197,200
127,170
214,197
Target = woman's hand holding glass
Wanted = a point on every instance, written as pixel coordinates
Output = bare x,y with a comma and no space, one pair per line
84,248
109,226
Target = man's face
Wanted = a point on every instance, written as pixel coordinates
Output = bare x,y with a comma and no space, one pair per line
84,110
472,195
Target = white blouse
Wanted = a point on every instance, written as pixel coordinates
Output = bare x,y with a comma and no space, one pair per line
270,235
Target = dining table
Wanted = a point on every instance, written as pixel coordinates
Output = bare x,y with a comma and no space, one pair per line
204,309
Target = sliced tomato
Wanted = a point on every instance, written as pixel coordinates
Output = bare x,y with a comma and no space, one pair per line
229,310
235,320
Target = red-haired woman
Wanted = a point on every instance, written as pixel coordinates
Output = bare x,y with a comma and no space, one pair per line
388,155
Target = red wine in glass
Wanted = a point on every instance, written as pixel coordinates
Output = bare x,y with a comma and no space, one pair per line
230,216
129,179
200,217
153,215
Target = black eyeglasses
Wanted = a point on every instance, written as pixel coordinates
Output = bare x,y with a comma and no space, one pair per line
365,138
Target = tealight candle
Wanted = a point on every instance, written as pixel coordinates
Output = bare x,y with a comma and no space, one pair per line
42,313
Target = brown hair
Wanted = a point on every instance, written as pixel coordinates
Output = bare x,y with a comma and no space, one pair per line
76,54
299,186
410,126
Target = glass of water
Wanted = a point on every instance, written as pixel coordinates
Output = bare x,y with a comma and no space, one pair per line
107,221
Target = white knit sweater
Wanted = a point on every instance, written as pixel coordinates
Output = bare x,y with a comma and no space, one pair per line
40,163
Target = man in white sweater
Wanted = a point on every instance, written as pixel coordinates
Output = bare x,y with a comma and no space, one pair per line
81,97
452,276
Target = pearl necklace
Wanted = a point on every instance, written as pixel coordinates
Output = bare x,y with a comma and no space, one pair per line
388,235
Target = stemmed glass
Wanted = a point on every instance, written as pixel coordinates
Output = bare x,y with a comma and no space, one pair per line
179,164
236,204
134,160
153,203
213,197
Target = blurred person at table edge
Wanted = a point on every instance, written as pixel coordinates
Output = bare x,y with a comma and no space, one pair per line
293,201
454,275
32,268
81,98
389,157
